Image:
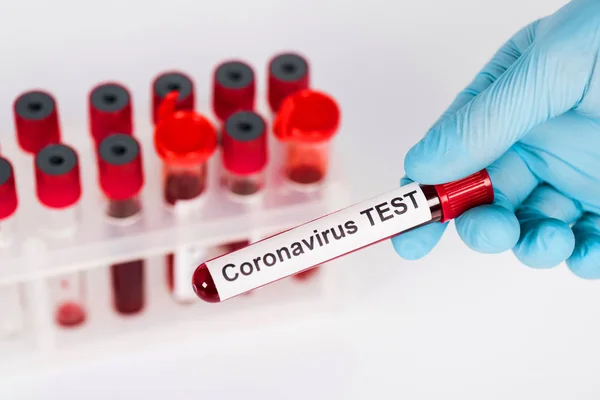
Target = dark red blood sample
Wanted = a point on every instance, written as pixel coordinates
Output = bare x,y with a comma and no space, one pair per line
204,285
171,271
8,190
183,186
233,246
110,111
233,89
288,73
306,275
305,174
128,286
36,121
70,314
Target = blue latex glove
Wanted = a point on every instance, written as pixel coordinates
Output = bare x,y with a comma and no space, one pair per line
532,118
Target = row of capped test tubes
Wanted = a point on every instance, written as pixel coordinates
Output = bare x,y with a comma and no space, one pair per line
305,120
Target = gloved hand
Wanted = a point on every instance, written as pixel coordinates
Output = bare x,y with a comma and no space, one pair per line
532,118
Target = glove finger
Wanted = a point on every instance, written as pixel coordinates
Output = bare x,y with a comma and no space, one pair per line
486,127
495,228
499,63
585,260
546,237
417,243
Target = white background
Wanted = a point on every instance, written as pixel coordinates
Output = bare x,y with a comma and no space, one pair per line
456,325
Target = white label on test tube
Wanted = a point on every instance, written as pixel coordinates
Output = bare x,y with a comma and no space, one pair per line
319,241
185,261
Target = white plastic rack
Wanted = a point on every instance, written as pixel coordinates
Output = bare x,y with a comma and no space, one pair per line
31,261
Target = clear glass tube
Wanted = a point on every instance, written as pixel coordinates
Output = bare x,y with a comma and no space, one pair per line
12,312
306,163
7,231
127,278
60,222
183,189
243,185
67,291
183,185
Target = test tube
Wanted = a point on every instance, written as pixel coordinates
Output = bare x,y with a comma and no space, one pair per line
36,121
244,153
110,111
306,123
233,89
288,74
121,179
169,82
338,234
58,188
11,306
185,141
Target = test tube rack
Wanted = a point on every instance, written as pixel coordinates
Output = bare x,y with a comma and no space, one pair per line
32,261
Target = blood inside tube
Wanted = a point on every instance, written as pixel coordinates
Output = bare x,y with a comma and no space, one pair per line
183,182
184,140
128,286
70,314
305,124
306,163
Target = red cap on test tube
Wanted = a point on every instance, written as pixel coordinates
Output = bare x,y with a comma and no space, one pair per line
36,121
326,238
110,111
8,190
169,82
233,89
306,123
57,176
244,152
288,73
120,166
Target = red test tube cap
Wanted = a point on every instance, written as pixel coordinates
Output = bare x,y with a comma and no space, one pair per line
110,111
288,73
183,137
120,167
307,116
57,178
8,189
36,120
461,195
244,143
169,82
233,88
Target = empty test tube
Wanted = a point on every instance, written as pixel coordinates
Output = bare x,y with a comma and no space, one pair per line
11,305
233,89
58,188
244,153
185,141
36,121
169,82
337,234
121,179
288,73
305,124
110,111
